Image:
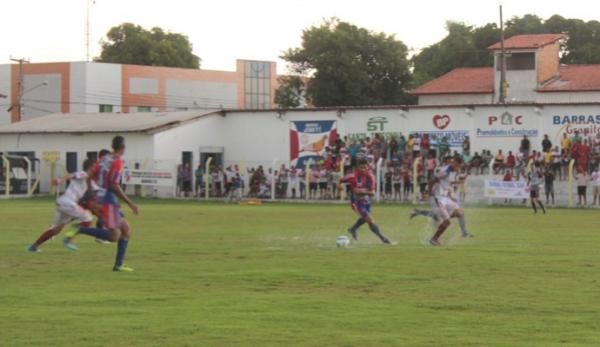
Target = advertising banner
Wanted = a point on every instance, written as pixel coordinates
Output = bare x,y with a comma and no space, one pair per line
507,124
505,190
149,177
308,140
455,137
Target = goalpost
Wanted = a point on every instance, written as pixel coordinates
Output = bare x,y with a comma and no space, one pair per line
19,173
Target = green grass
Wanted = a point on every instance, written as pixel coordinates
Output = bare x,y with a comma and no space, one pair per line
224,275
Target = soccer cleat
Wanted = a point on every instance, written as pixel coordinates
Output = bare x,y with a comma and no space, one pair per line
434,242
386,241
33,249
71,233
67,243
122,268
101,241
468,235
413,214
353,234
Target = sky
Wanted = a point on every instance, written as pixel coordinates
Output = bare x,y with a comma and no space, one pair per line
225,30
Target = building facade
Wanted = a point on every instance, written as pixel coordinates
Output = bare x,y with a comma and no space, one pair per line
81,87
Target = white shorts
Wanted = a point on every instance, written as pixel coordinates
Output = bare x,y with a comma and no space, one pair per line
66,211
444,207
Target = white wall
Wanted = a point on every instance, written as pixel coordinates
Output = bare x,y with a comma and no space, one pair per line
5,88
102,86
181,93
139,148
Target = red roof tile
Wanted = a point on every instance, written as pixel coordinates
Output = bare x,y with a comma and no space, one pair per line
478,80
528,41
575,78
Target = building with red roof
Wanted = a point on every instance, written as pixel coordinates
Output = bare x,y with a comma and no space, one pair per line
533,72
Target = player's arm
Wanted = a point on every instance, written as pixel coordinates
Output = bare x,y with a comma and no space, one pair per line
60,180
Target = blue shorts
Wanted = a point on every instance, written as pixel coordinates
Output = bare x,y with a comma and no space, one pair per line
362,208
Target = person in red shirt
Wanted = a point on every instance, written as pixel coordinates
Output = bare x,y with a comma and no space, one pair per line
510,161
362,188
107,176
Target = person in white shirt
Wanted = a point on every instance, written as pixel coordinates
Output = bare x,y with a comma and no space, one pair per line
68,207
596,185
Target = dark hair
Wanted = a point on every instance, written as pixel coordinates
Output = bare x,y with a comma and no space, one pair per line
118,142
103,152
362,162
87,164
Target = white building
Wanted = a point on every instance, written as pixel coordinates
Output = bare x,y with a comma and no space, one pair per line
264,137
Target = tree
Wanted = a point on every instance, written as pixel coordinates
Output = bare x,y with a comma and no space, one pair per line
131,44
463,46
351,66
466,46
290,93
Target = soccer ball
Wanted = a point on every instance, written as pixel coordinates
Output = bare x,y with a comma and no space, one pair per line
342,241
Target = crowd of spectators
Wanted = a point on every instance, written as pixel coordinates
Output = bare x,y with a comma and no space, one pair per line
397,178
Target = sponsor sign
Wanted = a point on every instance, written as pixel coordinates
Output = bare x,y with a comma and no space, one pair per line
506,125
505,190
308,140
441,122
586,125
149,177
455,137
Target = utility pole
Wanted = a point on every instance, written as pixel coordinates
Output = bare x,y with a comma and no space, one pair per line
503,84
21,86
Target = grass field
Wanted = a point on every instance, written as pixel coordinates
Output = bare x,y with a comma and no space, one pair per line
224,275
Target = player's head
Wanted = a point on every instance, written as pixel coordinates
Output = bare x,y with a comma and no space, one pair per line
87,165
103,153
118,144
363,167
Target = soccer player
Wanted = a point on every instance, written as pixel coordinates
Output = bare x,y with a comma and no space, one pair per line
534,180
107,175
443,203
67,205
362,188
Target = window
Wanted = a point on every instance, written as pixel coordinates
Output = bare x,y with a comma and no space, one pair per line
144,109
519,61
258,84
105,108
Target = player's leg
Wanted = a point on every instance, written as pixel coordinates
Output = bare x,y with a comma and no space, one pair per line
443,214
45,236
532,197
374,227
122,247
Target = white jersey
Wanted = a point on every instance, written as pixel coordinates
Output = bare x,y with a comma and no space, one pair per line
444,176
76,190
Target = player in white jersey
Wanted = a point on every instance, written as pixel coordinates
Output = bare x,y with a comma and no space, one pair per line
444,203
67,205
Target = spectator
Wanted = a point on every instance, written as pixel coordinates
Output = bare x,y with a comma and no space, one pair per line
466,146
576,138
556,159
425,145
443,147
416,145
546,144
511,161
397,182
186,177
199,175
596,185
498,162
565,143
525,147
401,145
179,184
582,180
549,185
